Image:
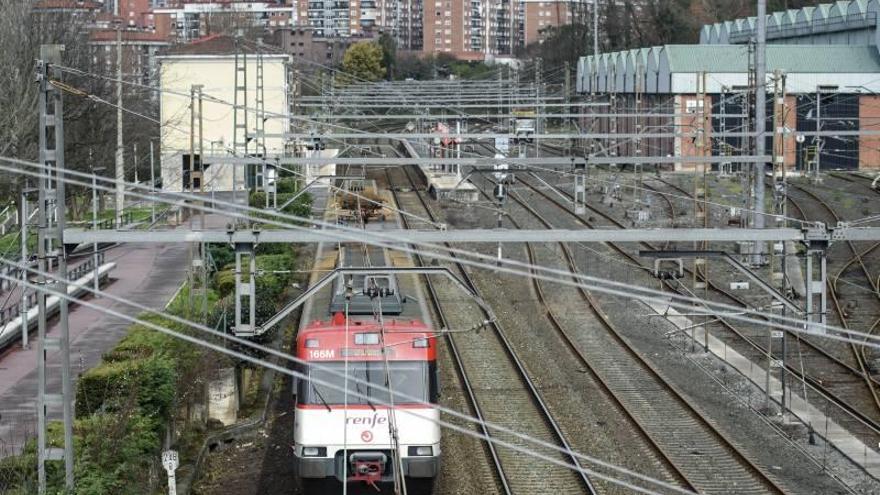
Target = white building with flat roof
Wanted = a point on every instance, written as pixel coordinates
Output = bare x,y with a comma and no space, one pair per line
215,72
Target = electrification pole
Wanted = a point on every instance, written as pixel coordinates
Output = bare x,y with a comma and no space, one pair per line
52,199
152,186
595,27
120,164
23,212
760,122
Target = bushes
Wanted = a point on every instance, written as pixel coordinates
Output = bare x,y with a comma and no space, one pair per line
124,403
114,454
301,207
273,284
222,254
287,185
149,383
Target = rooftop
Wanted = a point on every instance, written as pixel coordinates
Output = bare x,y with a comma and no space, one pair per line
215,44
734,58
788,58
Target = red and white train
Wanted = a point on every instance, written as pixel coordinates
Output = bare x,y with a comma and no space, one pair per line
339,438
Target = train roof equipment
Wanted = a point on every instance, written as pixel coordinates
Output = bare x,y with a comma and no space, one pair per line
365,294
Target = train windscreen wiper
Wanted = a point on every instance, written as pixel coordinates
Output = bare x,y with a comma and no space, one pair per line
369,403
321,398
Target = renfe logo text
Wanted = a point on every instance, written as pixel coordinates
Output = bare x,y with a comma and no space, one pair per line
370,421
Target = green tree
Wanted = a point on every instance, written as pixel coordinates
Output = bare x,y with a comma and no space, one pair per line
389,54
363,61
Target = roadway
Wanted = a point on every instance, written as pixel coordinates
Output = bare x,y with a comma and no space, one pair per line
147,273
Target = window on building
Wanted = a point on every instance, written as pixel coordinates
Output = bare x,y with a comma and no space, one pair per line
197,167
692,106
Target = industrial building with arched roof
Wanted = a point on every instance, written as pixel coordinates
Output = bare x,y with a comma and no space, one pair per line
828,55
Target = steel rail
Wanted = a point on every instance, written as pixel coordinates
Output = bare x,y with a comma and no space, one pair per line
858,351
456,357
823,353
582,359
594,306
815,383
530,386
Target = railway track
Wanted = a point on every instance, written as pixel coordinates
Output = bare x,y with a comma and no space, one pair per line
650,405
857,179
655,400
822,368
497,384
746,339
856,259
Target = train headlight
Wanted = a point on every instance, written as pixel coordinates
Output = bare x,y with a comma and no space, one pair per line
422,451
314,451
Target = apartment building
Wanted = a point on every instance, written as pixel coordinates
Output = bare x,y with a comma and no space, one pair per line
484,29
402,19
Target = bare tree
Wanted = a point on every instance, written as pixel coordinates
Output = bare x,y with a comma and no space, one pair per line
22,31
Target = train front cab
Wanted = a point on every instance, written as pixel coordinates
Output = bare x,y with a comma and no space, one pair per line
321,411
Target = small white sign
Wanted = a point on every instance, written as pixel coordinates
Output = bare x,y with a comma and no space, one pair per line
170,460
776,334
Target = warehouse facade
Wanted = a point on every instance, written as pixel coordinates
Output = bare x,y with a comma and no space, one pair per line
828,111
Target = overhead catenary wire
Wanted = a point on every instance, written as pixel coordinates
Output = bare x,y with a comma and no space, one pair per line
508,265
388,242
353,378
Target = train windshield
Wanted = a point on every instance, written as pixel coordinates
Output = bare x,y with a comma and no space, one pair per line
411,381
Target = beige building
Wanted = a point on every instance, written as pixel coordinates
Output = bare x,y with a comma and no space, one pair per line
485,29
537,16
216,73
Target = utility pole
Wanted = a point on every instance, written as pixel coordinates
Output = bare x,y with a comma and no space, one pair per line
595,27
51,198
760,122
23,211
196,258
701,213
134,158
152,186
239,112
637,190
819,140
538,109
120,163
95,226
778,252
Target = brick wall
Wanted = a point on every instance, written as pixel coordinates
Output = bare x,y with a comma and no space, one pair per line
869,119
687,145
